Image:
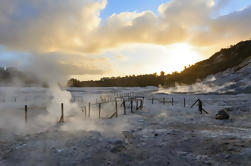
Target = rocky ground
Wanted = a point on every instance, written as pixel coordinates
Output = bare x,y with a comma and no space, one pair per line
157,135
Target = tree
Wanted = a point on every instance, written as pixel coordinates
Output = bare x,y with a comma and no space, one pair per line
162,73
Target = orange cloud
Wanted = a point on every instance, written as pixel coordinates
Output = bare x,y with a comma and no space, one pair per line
74,27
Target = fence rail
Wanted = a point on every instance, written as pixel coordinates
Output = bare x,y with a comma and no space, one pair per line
125,101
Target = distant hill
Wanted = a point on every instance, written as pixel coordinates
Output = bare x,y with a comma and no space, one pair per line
224,59
12,77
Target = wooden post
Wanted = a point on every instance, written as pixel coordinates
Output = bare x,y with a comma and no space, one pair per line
172,101
141,103
61,120
82,109
99,110
131,105
164,102
85,111
62,110
124,105
25,113
89,110
116,107
152,100
137,104
184,102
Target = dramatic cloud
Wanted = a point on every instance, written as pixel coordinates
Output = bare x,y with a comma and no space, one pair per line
59,66
49,25
61,29
224,29
74,26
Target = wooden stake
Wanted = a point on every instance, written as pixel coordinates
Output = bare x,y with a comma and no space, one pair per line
85,111
116,108
172,101
99,110
152,100
184,102
82,109
164,102
89,110
25,113
61,120
124,105
141,103
62,110
131,105
137,104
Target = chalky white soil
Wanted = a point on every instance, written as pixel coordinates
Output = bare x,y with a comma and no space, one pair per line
160,134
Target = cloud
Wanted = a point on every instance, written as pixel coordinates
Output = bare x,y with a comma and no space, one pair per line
73,29
60,66
49,25
143,27
229,28
75,26
177,21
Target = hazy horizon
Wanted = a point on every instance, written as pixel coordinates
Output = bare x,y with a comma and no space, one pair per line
91,39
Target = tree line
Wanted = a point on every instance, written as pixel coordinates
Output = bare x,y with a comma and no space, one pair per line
220,61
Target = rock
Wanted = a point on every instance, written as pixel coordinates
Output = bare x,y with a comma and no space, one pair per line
129,137
228,109
118,148
207,162
222,115
227,156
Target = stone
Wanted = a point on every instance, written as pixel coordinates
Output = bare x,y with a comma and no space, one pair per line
118,148
222,115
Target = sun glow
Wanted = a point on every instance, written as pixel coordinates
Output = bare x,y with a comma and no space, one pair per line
149,58
181,55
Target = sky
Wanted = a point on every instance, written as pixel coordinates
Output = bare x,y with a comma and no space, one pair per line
91,39
118,6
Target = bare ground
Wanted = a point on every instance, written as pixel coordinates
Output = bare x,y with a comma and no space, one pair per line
151,142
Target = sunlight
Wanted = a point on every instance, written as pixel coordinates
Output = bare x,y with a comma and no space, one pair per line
151,58
181,55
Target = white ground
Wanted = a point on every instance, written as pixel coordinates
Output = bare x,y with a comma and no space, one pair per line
160,134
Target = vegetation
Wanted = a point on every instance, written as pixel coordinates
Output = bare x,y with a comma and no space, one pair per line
220,61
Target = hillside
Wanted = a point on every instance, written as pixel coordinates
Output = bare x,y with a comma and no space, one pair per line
221,61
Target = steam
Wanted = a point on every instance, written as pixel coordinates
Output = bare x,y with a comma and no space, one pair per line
207,86
44,104
44,110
